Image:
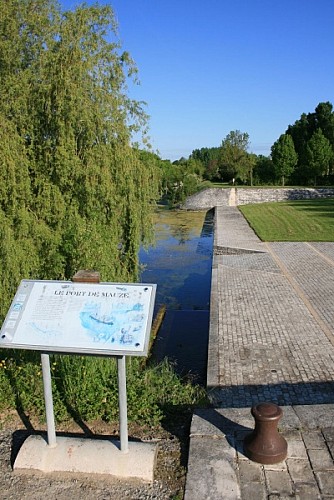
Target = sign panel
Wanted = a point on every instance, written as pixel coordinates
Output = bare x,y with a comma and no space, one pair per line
84,318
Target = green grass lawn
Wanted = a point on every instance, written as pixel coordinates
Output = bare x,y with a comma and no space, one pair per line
304,220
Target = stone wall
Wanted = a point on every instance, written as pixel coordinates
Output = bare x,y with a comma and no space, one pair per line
208,198
215,197
245,196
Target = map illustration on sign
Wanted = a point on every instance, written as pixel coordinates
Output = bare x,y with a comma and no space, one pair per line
61,316
105,326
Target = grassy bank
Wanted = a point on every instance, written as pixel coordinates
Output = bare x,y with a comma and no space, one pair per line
85,388
304,220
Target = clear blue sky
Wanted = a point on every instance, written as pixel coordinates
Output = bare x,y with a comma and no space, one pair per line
211,66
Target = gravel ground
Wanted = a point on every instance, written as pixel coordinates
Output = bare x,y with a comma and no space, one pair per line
168,484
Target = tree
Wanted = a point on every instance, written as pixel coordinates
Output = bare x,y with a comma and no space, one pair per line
284,156
319,155
246,168
180,179
209,157
324,120
74,193
233,154
302,131
264,172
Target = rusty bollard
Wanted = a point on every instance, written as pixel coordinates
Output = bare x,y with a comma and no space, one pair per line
265,445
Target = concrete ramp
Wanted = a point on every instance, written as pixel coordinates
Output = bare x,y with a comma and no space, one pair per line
233,235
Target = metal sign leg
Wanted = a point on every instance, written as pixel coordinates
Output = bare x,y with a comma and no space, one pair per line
122,401
50,421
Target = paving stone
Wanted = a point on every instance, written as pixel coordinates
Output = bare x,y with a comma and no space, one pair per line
307,491
290,419
240,416
278,482
326,482
314,440
328,434
331,448
293,434
329,437
296,449
253,491
315,416
300,470
312,273
281,497
210,423
321,460
211,473
280,466
250,472
240,451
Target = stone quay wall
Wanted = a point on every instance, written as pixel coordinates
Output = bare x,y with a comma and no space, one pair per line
208,198
217,197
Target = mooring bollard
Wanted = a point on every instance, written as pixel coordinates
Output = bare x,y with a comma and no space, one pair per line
265,445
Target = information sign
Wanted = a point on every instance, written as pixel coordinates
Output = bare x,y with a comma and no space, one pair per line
83,318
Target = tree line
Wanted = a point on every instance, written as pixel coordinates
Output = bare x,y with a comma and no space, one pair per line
302,155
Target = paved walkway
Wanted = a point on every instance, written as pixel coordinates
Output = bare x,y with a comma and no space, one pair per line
271,339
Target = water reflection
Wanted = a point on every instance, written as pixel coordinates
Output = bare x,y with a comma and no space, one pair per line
181,233
180,264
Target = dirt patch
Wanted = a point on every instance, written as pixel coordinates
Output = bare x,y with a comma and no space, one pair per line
169,480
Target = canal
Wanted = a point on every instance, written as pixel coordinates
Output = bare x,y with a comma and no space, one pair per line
180,265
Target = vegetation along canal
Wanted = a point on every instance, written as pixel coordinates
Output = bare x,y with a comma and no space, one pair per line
180,265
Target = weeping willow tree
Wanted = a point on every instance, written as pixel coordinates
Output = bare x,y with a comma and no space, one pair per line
73,193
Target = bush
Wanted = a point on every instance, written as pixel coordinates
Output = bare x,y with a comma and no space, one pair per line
86,387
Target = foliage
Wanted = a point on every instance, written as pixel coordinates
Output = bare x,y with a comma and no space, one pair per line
234,157
74,193
180,179
229,161
232,160
306,220
86,388
302,131
319,155
284,156
264,172
246,168
209,158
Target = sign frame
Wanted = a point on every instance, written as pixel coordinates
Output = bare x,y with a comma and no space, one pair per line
19,311
107,318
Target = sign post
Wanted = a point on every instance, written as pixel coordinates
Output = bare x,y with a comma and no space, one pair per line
50,419
122,402
86,317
